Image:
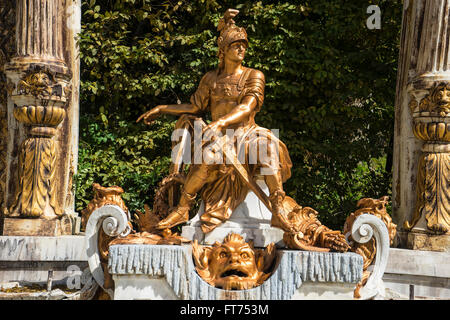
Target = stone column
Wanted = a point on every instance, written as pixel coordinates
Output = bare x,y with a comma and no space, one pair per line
422,131
42,118
7,50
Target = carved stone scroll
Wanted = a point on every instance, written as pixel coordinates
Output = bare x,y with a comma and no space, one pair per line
365,228
368,249
104,224
103,196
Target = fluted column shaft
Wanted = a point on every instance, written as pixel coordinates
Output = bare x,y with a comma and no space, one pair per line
39,29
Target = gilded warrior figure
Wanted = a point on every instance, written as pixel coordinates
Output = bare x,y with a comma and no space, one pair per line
233,94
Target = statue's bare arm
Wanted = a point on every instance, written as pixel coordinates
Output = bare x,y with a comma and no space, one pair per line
173,109
238,115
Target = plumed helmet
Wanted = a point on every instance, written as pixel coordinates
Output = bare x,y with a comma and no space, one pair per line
229,32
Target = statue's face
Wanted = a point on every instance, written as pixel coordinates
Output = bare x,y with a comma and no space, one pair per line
236,51
444,95
40,79
233,264
233,260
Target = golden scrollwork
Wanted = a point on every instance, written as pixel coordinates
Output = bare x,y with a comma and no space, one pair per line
148,233
39,115
437,101
432,192
412,104
103,196
376,207
234,264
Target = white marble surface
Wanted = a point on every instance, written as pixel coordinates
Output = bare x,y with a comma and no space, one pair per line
425,274
62,248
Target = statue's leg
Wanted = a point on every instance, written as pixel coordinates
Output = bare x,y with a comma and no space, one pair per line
197,177
270,169
276,197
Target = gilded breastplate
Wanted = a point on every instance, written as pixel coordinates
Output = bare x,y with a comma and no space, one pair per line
224,96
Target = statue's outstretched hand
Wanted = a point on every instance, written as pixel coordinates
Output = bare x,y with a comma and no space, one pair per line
150,115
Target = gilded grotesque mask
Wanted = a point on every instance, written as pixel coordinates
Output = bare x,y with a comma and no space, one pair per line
234,264
36,83
438,100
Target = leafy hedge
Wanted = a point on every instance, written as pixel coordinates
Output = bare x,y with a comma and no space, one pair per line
330,90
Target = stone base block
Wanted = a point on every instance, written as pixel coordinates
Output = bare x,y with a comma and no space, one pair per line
29,259
260,237
428,242
37,227
168,272
414,274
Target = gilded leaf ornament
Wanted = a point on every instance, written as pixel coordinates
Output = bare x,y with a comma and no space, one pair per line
433,193
431,125
36,172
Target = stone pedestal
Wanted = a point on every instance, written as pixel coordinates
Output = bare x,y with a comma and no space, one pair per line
251,219
167,272
37,227
428,242
29,259
418,274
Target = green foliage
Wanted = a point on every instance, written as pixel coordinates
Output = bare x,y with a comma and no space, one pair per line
330,89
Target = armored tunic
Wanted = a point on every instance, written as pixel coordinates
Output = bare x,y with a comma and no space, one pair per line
219,96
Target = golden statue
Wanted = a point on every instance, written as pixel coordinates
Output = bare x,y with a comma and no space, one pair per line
233,264
232,94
